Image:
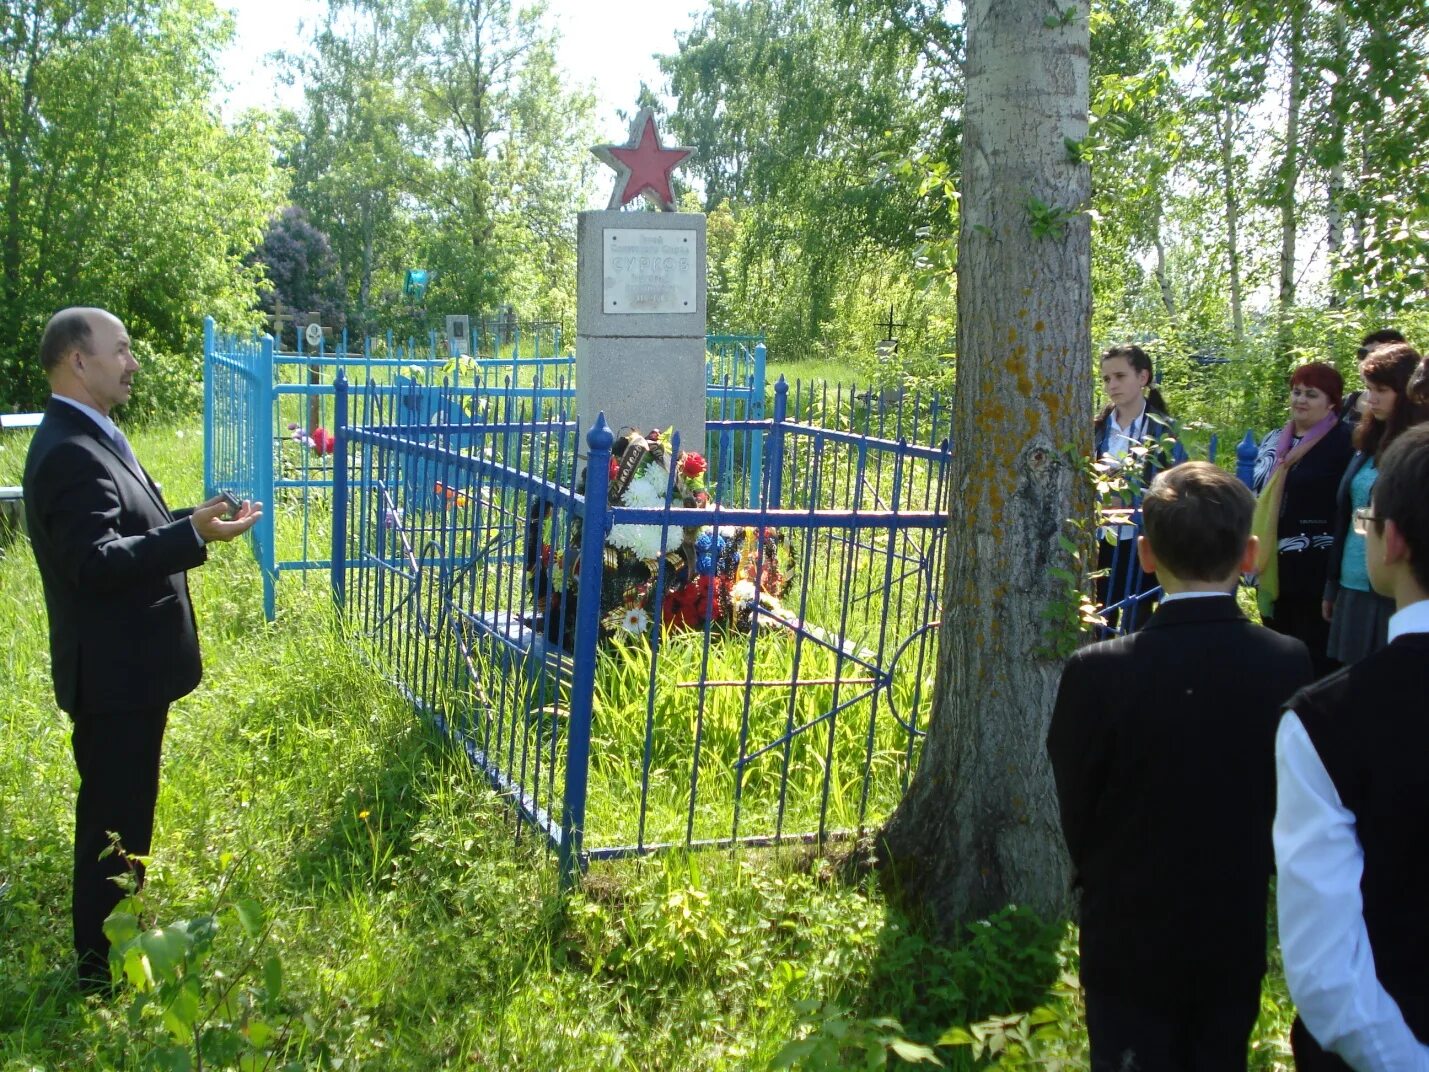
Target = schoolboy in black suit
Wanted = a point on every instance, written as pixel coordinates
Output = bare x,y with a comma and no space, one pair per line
1163,747
1352,819
123,643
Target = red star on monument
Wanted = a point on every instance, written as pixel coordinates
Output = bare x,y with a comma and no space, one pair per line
643,164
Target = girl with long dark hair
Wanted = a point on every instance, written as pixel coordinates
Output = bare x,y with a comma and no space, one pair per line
1359,619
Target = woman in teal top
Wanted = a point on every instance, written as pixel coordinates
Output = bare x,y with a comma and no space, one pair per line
1359,618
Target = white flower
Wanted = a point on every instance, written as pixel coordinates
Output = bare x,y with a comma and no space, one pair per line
635,620
643,541
643,496
647,490
742,592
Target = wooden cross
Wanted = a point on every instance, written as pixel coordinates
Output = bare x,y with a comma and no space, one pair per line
891,325
278,319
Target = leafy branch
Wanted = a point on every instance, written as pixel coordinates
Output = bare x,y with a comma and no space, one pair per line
192,1014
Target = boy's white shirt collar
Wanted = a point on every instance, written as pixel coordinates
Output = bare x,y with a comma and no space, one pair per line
1411,619
1195,595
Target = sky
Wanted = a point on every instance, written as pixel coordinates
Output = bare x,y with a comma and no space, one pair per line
605,42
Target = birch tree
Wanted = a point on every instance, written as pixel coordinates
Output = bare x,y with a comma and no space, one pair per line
979,827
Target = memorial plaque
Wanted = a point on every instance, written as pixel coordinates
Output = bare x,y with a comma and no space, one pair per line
650,271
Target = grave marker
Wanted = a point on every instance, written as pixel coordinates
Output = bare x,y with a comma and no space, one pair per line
640,312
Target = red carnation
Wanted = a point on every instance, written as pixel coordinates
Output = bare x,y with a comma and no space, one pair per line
323,442
693,466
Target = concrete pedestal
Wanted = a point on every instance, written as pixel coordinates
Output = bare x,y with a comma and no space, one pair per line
640,321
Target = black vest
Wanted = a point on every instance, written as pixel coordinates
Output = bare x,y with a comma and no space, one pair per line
1370,725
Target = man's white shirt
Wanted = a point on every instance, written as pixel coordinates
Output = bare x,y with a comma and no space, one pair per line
1329,965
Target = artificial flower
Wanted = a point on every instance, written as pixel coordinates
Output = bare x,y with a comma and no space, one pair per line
635,620
693,466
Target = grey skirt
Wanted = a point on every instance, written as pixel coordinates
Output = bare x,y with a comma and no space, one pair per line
1360,625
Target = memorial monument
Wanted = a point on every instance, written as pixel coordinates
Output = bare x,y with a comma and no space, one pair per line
640,297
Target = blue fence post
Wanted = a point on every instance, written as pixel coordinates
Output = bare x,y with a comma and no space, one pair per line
1245,455
209,485
263,454
776,444
339,491
756,413
593,525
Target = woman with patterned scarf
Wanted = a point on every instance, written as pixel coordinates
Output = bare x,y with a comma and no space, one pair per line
1296,476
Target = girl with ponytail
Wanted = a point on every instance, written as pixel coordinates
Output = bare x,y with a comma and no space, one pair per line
1135,417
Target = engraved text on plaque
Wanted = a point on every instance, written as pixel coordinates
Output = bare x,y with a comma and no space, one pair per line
649,271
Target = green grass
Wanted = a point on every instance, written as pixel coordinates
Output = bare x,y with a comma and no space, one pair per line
811,370
414,932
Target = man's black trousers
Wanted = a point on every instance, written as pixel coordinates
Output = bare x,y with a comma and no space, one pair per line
117,755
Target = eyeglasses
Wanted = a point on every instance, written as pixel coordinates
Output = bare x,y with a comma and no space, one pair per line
1361,519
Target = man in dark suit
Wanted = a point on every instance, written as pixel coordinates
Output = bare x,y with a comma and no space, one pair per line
1163,747
123,642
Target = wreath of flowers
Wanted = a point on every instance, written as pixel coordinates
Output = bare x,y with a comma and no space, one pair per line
709,575
718,581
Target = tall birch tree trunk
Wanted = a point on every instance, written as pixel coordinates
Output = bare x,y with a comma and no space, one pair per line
1163,280
1225,129
1335,186
1289,179
979,826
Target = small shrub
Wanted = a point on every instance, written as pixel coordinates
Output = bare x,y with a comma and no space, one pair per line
198,1003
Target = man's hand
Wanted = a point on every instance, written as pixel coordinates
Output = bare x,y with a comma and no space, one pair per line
209,522
1327,610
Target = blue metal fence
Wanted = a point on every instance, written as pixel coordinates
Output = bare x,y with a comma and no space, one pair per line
268,417
788,708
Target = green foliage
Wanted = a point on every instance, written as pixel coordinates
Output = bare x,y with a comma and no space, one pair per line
199,1001
834,1037
441,135
806,115
1047,221
166,384
118,186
